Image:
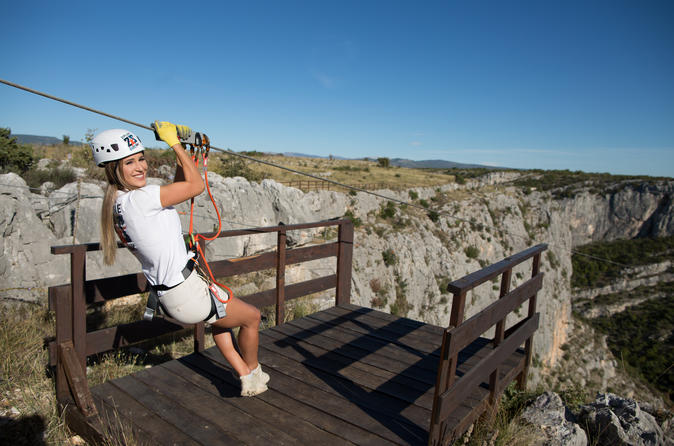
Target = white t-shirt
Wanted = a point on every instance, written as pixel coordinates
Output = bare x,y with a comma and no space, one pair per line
153,233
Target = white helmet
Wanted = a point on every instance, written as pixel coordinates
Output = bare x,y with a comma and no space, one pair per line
114,144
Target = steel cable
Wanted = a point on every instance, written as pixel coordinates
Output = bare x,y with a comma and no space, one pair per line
278,166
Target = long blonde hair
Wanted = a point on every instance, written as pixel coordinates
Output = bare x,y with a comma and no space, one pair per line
113,172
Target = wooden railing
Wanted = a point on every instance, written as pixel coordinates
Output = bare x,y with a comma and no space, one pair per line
309,185
451,391
68,352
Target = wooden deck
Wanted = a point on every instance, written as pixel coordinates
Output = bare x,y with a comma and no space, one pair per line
346,375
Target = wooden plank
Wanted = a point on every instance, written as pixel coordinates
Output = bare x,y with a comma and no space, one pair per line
380,319
472,280
380,424
268,297
406,377
311,413
119,407
316,373
190,423
365,350
461,388
247,429
266,416
67,249
127,334
421,326
380,353
388,332
465,333
338,366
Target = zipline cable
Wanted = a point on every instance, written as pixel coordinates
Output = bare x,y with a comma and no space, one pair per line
278,166
227,151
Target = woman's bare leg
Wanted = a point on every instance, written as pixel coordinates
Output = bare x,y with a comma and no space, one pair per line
246,316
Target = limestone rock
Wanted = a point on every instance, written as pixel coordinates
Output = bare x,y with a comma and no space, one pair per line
612,420
549,415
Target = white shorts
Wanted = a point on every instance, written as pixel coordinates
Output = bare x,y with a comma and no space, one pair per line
190,301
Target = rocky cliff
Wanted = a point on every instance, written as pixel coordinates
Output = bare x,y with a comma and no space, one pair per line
403,259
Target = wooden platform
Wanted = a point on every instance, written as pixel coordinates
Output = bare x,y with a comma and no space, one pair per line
344,375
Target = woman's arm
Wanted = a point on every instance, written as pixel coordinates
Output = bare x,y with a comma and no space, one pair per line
187,182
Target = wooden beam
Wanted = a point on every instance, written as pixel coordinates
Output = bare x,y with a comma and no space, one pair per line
470,281
77,379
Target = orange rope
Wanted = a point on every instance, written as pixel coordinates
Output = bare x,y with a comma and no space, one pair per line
194,240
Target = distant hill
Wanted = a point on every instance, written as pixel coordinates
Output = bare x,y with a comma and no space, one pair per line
398,162
44,140
437,164
402,162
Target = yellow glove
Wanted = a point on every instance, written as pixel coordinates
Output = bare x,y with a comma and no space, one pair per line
169,132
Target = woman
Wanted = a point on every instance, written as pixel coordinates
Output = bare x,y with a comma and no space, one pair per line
145,220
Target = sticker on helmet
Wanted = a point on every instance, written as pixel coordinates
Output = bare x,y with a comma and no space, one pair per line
131,140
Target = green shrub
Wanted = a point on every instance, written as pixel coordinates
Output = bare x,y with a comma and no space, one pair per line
424,203
388,210
434,216
389,257
232,166
60,176
14,157
413,195
472,252
355,220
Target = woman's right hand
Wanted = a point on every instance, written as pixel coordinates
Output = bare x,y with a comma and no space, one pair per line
189,183
169,132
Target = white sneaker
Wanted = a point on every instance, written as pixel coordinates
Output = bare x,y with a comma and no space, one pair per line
252,384
262,375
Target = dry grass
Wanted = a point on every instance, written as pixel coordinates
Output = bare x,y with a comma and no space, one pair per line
344,171
29,413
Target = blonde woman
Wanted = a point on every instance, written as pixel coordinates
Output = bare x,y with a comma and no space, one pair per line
144,219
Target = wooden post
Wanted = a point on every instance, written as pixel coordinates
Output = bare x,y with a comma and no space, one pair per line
344,259
64,333
494,391
528,345
79,305
456,317
280,276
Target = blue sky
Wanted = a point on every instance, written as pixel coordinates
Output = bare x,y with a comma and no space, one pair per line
585,85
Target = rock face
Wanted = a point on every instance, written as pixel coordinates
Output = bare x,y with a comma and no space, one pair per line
555,422
612,420
402,260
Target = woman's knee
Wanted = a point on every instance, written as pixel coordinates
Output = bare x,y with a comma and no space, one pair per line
255,317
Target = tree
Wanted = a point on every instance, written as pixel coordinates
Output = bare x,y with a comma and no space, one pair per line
384,162
14,157
66,140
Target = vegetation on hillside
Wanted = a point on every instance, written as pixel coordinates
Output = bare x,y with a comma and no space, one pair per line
590,271
566,184
641,337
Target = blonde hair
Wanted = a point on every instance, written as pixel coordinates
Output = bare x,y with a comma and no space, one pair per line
116,182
